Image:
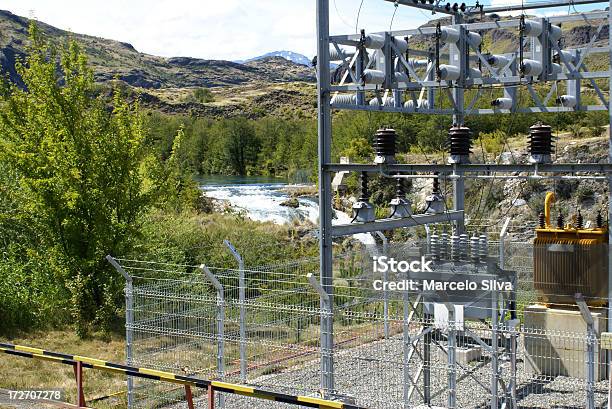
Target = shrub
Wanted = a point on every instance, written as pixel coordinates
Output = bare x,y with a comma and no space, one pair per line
201,95
492,142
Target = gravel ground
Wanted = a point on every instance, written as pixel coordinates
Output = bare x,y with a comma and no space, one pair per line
371,375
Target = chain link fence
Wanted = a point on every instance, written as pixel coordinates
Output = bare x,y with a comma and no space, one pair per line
391,348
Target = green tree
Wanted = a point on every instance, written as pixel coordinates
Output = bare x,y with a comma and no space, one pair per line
241,145
172,180
77,171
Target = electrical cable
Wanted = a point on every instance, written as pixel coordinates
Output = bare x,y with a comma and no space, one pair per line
506,145
340,16
357,19
393,16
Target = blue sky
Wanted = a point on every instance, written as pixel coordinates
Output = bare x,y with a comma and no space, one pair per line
220,29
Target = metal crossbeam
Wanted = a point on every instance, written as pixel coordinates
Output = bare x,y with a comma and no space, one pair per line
388,224
353,39
471,168
538,5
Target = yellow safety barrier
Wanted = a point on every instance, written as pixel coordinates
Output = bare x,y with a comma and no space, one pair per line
80,362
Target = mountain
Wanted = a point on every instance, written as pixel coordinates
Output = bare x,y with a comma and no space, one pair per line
296,58
112,59
280,83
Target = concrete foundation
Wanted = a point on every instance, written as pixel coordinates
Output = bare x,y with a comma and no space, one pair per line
555,342
464,355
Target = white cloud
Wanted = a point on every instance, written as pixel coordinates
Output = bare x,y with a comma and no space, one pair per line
226,29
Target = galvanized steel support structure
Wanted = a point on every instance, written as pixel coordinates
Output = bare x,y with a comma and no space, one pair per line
425,81
610,196
325,197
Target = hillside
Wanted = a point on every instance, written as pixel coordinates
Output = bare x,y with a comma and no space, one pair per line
114,59
272,84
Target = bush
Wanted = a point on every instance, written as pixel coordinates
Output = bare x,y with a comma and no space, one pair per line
492,142
595,131
201,95
192,238
576,130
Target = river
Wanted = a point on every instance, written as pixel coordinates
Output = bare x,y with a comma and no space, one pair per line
261,197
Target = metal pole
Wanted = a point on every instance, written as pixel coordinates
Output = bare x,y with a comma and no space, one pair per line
494,350
220,326
514,323
590,352
78,374
407,346
385,278
457,54
325,197
129,325
189,397
241,302
452,359
502,245
129,335
610,196
211,397
427,360
428,238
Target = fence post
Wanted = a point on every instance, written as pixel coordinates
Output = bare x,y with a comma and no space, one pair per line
502,238
189,397
494,350
220,325
452,358
326,351
513,334
385,251
406,349
211,397
513,324
590,352
78,375
129,324
241,302
317,286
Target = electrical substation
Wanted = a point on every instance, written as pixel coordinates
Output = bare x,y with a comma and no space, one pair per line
571,266
499,314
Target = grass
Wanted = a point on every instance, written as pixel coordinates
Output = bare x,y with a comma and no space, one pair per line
24,373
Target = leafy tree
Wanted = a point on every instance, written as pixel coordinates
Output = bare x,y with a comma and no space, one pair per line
76,165
241,145
172,180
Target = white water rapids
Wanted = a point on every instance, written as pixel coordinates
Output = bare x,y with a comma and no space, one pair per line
262,202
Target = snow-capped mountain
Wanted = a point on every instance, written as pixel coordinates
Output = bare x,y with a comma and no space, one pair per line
288,55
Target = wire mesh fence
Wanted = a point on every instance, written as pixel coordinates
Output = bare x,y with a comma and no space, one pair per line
474,348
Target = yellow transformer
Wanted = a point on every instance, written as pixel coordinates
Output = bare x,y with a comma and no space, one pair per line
568,259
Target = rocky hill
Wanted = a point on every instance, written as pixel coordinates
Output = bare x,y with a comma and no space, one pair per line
113,59
270,85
